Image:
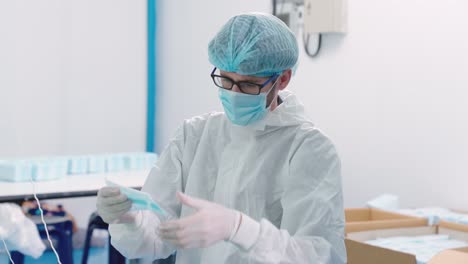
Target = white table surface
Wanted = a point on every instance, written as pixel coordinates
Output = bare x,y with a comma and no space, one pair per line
71,185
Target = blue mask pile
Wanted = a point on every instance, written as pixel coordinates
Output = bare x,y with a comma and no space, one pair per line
53,168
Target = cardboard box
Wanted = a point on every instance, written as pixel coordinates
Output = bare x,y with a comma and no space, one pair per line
452,256
361,253
452,225
362,219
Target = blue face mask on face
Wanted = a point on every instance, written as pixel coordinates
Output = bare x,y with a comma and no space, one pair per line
244,109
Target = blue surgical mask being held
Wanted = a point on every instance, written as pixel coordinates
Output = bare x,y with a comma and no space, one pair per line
244,109
140,200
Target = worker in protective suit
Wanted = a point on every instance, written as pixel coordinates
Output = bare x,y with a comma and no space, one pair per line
257,183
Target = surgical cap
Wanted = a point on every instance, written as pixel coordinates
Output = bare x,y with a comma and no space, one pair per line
254,44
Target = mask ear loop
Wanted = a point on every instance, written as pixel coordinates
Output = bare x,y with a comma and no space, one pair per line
43,221
7,251
271,89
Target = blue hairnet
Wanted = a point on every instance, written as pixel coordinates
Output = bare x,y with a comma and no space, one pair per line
254,44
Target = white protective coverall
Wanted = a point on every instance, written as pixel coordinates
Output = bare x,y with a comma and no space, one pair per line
281,171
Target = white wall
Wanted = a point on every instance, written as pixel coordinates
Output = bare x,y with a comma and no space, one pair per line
72,77
72,80
184,84
390,93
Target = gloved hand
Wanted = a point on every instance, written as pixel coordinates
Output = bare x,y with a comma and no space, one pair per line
111,205
210,224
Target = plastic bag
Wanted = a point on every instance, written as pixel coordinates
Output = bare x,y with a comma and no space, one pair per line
19,232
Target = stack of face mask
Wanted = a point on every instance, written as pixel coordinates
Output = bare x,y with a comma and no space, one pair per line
115,162
15,170
46,169
130,161
96,163
52,168
77,165
139,161
423,247
390,202
37,169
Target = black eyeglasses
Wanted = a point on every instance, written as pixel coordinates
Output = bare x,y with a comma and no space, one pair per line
245,87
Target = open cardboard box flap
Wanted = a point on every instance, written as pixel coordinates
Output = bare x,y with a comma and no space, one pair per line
361,219
371,214
361,253
451,256
454,226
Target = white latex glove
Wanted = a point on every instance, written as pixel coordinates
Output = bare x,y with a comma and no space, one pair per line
112,205
210,224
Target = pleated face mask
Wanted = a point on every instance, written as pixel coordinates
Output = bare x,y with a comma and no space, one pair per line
244,109
140,200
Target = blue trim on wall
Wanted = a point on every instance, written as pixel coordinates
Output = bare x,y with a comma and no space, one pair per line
151,103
